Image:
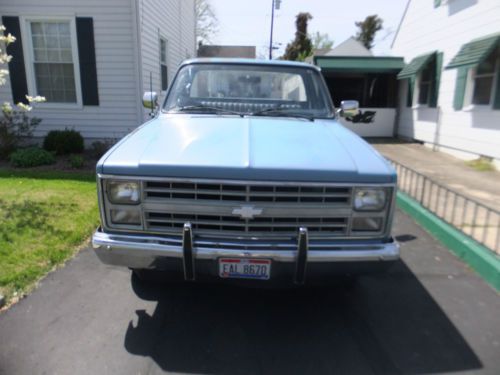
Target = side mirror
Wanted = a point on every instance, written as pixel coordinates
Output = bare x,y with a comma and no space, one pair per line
150,99
349,108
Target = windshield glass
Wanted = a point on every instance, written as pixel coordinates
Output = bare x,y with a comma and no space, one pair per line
249,90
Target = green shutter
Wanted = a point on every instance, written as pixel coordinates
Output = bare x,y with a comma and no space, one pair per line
458,100
437,3
411,89
437,78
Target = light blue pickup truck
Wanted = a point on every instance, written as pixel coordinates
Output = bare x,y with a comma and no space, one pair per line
244,173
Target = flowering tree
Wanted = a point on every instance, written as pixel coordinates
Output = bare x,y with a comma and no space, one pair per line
15,124
4,58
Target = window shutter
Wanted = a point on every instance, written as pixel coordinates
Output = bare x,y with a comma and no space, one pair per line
437,78
411,89
17,71
496,100
458,100
164,77
86,57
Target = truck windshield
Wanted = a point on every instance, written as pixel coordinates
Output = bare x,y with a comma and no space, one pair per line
249,89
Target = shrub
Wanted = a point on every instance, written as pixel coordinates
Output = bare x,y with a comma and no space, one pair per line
31,157
76,161
64,142
15,127
99,148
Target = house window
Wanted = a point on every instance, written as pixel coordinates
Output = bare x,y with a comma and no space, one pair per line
484,79
163,64
426,84
53,65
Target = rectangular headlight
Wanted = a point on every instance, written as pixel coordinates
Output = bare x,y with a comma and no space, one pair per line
366,224
123,192
369,199
130,217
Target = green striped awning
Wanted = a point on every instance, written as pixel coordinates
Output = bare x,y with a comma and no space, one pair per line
473,53
415,65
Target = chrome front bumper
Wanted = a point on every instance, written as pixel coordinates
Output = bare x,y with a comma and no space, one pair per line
142,252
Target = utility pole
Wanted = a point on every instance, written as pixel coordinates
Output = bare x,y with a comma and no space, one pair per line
275,5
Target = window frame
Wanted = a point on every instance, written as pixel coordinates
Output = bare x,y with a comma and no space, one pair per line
163,63
471,85
25,23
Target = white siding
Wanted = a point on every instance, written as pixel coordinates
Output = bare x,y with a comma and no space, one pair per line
116,56
445,29
173,20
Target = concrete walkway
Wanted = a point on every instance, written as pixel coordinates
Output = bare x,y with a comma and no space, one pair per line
446,169
477,221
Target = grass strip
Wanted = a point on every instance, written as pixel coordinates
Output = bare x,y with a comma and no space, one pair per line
45,217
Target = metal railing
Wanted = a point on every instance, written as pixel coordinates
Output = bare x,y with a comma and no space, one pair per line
469,216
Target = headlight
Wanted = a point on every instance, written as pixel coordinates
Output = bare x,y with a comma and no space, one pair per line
123,192
131,217
369,199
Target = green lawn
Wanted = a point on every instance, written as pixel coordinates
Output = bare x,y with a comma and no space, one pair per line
44,218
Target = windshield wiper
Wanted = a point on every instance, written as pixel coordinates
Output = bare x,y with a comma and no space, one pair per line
281,112
208,109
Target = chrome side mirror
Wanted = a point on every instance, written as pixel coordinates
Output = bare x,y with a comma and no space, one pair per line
349,108
150,99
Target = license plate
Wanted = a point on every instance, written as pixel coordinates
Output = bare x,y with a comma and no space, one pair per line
244,268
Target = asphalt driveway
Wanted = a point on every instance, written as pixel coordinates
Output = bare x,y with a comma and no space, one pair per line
431,314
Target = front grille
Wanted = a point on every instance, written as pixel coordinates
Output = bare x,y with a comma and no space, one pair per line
215,208
161,190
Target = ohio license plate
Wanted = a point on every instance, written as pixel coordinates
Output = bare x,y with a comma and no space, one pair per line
244,268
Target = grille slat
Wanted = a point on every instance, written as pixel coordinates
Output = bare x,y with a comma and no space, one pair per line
250,225
256,194
247,193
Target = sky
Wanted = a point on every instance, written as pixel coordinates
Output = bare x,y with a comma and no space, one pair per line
248,22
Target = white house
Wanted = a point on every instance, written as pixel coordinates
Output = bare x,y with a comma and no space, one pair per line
93,59
451,85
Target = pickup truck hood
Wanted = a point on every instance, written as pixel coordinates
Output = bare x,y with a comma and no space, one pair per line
249,148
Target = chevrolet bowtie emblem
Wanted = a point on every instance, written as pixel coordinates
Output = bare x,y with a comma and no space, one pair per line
247,212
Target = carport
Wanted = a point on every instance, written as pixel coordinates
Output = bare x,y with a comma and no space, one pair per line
371,80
